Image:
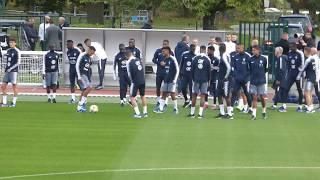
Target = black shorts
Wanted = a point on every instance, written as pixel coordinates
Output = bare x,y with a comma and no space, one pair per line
223,88
72,77
213,88
237,85
135,88
159,80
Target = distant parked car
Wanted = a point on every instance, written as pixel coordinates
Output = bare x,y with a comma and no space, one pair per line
304,20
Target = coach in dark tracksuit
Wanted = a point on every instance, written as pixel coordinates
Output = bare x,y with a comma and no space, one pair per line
295,62
158,59
241,72
186,73
279,83
201,73
120,60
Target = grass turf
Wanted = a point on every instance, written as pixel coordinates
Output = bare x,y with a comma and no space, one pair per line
41,138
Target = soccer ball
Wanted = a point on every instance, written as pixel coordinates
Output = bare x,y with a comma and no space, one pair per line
94,109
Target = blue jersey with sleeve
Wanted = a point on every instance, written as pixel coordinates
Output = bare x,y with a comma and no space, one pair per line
258,68
51,62
240,65
157,59
73,55
120,60
179,49
136,52
281,68
185,64
13,60
201,68
310,68
83,65
136,71
224,67
295,61
172,70
214,61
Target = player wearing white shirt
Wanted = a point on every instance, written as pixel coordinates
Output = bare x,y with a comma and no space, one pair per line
231,46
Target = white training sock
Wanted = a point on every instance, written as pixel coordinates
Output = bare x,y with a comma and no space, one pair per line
193,109
200,111
158,99
83,100
245,107
73,96
54,95
264,110
4,99
254,112
14,100
175,104
49,96
166,101
145,110
136,110
240,102
229,110
221,107
284,106
161,101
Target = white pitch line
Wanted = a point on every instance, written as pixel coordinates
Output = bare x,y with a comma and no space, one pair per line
159,169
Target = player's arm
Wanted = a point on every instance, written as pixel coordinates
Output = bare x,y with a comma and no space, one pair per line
155,58
176,65
78,65
115,68
303,68
129,70
209,70
226,62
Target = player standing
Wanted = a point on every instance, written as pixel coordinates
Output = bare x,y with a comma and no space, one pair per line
83,68
72,54
135,51
214,73
120,60
13,56
136,73
258,69
50,72
170,80
223,86
186,74
201,72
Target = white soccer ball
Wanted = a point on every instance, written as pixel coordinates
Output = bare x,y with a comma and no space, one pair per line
94,108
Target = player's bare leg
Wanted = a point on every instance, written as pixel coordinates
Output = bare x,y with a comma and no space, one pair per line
4,93
193,105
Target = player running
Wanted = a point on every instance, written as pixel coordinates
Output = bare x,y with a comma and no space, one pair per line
13,57
258,68
120,61
72,54
83,67
50,72
201,72
136,73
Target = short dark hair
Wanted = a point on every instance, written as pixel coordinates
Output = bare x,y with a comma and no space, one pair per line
166,40
92,48
122,46
203,47
211,48
166,48
86,40
69,41
192,45
256,47
13,39
218,39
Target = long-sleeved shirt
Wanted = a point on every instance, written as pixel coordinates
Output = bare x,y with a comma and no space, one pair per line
281,68
120,61
157,59
185,64
100,52
83,65
201,68
258,69
73,55
50,62
136,71
42,30
136,52
240,66
179,49
13,60
296,61
311,69
172,70
224,67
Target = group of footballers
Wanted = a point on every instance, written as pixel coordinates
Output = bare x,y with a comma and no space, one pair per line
223,70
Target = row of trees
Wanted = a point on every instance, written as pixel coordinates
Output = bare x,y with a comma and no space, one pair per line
202,9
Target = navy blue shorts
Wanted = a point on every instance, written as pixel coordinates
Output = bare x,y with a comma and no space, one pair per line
72,77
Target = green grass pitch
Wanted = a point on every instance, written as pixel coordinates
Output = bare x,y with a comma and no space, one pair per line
51,141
